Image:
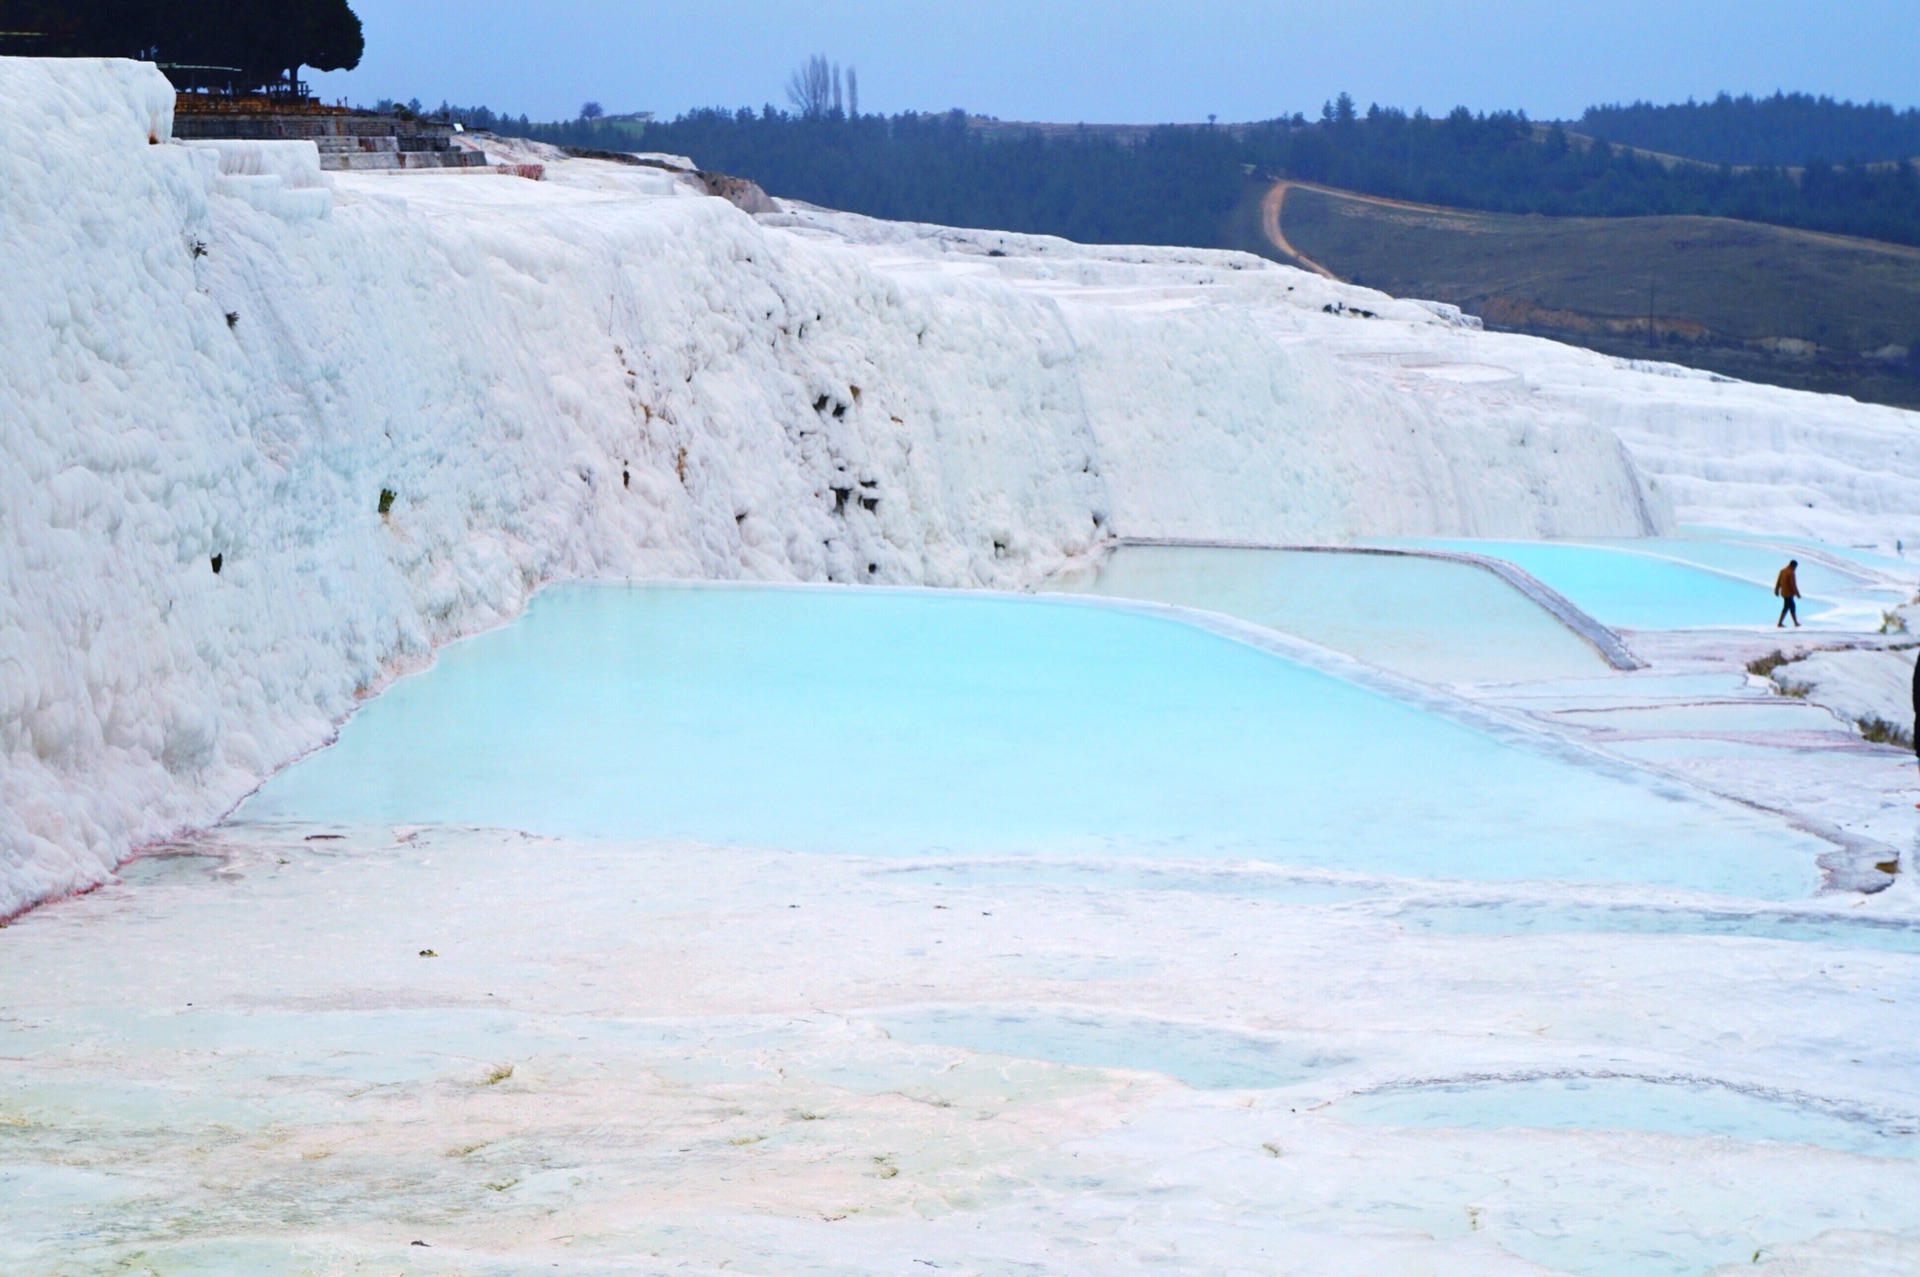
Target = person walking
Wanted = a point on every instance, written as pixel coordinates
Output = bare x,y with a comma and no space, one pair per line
1786,588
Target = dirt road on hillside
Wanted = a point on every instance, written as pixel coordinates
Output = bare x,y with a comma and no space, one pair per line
1276,197
1270,206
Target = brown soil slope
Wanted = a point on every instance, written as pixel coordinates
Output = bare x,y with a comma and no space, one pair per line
1764,303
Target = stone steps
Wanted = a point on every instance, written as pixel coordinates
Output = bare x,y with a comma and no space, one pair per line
348,141
375,161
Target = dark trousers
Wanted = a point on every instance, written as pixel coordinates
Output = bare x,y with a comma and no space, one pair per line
1787,609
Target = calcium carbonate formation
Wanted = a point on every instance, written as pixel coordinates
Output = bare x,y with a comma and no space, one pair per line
270,435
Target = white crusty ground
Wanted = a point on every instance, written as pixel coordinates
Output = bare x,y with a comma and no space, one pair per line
699,1080
1862,685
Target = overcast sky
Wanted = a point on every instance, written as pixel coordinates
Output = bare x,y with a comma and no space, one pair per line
1080,60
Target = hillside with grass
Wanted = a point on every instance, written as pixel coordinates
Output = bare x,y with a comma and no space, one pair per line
1762,303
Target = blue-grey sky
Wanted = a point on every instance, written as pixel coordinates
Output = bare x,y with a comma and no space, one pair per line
1140,62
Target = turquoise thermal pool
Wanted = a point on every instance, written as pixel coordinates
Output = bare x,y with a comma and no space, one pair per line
1641,590
1753,562
1855,554
917,722
1429,619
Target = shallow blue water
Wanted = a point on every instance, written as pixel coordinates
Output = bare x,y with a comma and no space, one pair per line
1635,591
913,722
1431,619
1672,1108
1202,1057
1852,554
1750,561
1492,916
1509,918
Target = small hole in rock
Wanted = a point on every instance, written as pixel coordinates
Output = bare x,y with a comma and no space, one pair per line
217,561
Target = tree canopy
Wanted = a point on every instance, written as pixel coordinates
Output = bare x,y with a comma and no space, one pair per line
1787,128
1182,184
267,41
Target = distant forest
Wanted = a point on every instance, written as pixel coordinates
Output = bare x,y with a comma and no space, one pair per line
1787,128
1182,184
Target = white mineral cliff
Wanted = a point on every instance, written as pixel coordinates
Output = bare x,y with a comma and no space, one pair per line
216,360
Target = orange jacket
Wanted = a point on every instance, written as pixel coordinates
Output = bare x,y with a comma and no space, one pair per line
1784,586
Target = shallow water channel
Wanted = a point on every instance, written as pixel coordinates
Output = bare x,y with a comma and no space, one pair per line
1684,1107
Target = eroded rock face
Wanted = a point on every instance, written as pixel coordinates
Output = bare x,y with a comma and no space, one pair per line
739,192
